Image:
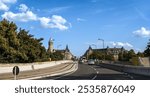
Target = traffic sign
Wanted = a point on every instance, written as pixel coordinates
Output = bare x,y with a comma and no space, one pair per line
16,70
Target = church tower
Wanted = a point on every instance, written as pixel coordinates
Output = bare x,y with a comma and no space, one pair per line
67,49
50,46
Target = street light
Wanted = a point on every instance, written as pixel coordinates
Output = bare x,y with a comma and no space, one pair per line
58,46
103,46
94,45
102,41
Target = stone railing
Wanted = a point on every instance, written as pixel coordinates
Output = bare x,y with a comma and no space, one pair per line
7,68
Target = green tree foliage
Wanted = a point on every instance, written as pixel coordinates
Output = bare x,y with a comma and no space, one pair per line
131,54
56,56
127,55
19,46
97,55
109,57
140,54
147,51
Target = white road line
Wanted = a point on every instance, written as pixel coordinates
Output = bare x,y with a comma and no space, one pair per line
95,71
94,77
76,66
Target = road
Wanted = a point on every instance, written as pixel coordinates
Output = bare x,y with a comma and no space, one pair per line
95,72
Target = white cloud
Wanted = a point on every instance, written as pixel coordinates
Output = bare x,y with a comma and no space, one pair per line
26,15
23,8
9,1
23,16
54,22
143,32
4,6
80,20
111,44
121,44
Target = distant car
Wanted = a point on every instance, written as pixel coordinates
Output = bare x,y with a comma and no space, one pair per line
91,62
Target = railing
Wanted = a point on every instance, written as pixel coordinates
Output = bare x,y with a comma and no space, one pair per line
127,68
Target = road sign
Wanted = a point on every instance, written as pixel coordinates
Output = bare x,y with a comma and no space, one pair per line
15,71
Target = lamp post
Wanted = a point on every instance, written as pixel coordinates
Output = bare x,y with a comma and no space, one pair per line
102,41
94,45
58,46
103,46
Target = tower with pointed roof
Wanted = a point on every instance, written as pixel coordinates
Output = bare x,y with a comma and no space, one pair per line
67,53
50,46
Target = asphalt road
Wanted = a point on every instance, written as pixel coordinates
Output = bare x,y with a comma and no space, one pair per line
95,72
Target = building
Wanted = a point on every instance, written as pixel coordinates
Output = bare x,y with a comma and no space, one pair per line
50,46
65,52
107,51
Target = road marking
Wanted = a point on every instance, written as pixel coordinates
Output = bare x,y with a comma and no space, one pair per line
75,66
95,71
94,77
69,73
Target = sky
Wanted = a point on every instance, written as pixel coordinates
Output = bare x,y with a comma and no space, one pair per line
81,23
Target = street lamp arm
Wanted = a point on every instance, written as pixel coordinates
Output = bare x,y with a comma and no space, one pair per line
58,46
102,40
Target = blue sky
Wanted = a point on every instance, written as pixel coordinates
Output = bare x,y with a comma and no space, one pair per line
79,23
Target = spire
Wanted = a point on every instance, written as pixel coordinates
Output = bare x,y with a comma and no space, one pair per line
67,49
90,48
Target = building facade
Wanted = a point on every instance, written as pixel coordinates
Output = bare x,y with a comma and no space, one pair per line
65,52
114,52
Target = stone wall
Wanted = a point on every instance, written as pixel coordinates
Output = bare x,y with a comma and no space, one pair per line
6,68
144,61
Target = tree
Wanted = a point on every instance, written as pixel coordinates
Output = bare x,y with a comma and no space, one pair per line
19,46
147,51
127,55
140,54
9,42
97,55
131,54
31,48
56,56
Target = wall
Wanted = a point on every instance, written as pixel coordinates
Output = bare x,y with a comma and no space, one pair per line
127,68
6,68
144,61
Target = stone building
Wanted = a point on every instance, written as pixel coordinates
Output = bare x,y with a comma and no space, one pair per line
107,51
65,52
50,46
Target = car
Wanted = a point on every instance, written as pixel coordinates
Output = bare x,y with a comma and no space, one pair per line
91,62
